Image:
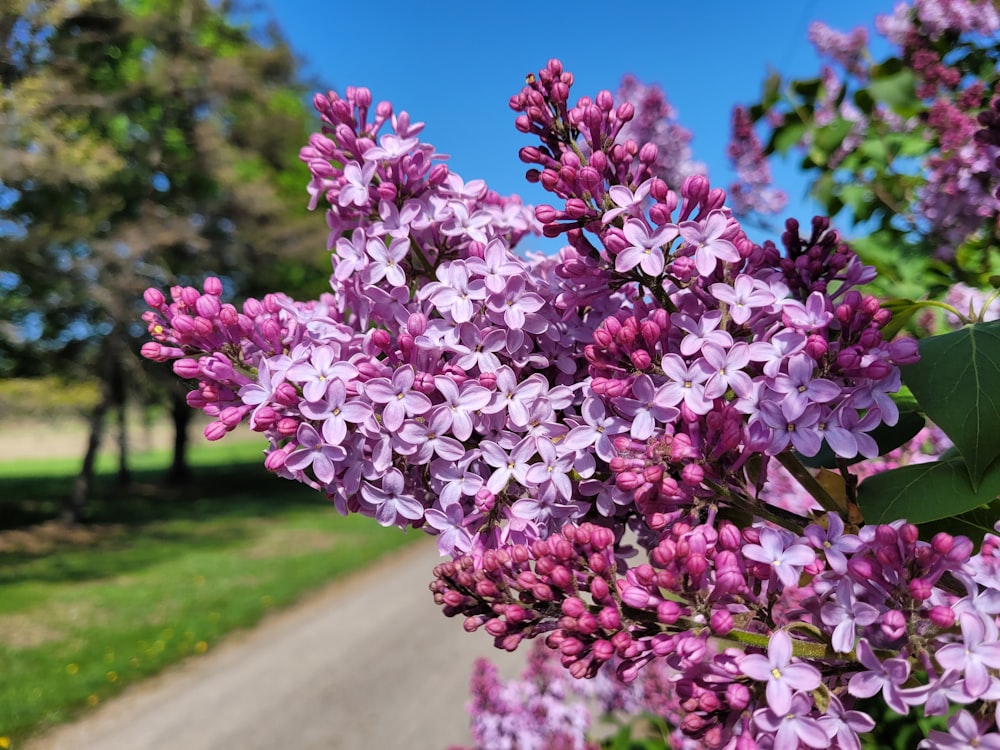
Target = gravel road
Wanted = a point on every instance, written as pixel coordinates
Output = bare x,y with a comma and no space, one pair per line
369,662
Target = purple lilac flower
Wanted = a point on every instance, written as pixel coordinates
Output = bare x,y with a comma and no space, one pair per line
783,677
707,239
844,726
397,395
391,502
843,612
793,727
786,560
975,654
964,732
888,676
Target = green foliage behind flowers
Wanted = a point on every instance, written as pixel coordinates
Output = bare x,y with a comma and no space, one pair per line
46,398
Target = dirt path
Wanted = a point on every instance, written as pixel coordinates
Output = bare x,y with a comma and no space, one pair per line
367,663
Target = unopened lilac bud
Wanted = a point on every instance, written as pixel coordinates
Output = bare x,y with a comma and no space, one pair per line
737,696
641,359
286,395
231,416
635,596
573,607
264,418
576,208
208,306
275,460
721,622
692,475
668,612
530,155
545,214
187,368
599,589
386,191
228,316
287,426
215,430
189,296
496,627
943,617
438,174
599,161
962,550
894,624
153,297
816,347
648,153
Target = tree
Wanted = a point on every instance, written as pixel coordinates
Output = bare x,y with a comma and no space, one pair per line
143,141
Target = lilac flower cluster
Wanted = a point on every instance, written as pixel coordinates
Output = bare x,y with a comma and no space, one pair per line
655,121
752,191
763,630
546,708
445,383
547,419
848,50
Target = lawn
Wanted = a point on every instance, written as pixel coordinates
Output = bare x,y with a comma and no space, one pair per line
156,575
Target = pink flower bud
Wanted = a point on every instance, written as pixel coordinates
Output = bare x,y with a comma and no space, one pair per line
721,622
287,426
215,430
599,589
573,607
275,460
668,612
894,624
187,368
634,596
154,297
213,286
943,617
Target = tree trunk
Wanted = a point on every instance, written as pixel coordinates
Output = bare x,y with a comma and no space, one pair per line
76,503
119,395
179,470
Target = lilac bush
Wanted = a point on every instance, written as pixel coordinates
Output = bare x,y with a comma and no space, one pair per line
596,438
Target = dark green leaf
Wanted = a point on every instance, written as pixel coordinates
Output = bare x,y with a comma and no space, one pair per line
864,101
807,88
957,382
925,492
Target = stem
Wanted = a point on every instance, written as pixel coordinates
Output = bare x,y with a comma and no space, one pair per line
791,522
809,483
946,306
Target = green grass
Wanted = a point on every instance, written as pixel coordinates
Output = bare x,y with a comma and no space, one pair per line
157,575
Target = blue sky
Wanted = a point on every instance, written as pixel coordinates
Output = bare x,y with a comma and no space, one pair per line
455,65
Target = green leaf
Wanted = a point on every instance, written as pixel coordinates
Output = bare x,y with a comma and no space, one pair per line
957,382
807,88
897,90
905,400
830,137
864,101
925,492
787,136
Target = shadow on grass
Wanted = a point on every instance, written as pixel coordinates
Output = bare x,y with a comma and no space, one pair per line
235,489
138,526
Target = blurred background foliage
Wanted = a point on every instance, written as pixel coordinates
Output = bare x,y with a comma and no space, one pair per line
142,143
